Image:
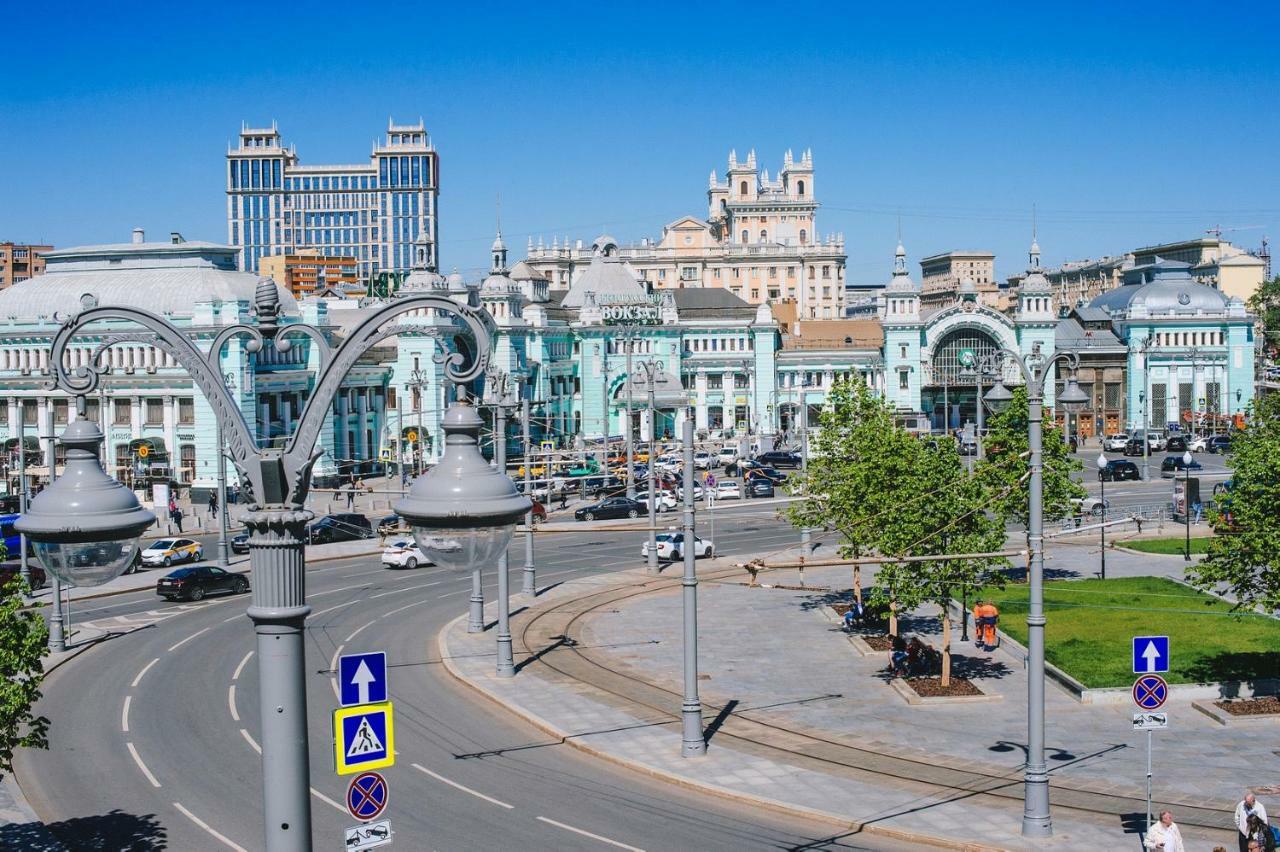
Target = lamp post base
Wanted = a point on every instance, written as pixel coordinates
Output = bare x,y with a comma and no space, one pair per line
475,615
528,583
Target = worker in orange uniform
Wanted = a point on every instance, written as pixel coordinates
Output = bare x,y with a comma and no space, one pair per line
985,620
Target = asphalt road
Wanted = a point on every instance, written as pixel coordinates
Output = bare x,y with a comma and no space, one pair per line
154,733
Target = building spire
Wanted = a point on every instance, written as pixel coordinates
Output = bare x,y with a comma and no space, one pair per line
499,248
1034,256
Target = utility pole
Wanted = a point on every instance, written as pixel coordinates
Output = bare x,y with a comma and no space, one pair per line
224,557
24,567
651,369
631,455
528,585
57,634
694,742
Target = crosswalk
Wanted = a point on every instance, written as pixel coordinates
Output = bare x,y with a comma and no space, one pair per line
138,620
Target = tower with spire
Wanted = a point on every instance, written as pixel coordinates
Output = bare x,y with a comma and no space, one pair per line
900,319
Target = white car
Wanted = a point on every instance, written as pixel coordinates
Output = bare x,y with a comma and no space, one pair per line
1090,506
1199,444
403,553
671,463
671,547
703,460
729,489
727,455
1115,443
664,501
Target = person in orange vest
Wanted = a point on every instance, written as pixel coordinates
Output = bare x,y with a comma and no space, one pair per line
985,619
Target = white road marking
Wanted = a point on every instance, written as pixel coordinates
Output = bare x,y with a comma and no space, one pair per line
589,834
178,645
402,591
124,714
451,594
145,669
332,608
138,760
322,797
240,668
359,629
458,786
231,702
333,669
229,843
253,744
403,608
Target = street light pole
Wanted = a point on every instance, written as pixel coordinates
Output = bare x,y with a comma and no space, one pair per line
274,480
1102,530
57,627
1037,820
651,369
23,567
631,452
1186,501
501,383
528,574
694,742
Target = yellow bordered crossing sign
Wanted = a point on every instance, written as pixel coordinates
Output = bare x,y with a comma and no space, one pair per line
363,738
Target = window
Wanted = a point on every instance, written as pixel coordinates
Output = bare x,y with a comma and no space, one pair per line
741,381
903,380
804,236
4,414
122,414
764,236
742,190
187,459
826,272
154,412
186,411
30,412
800,188
745,236
60,410
715,381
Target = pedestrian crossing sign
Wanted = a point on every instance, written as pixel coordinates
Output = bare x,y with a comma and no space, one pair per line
363,738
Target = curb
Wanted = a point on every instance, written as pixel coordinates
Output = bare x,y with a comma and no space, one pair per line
1227,720
787,808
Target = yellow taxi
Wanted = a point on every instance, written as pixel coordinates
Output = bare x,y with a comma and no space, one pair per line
167,551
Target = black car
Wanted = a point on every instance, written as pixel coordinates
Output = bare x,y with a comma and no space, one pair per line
772,474
1118,470
1176,444
1218,444
740,467
340,526
240,543
10,504
604,486
612,507
388,524
779,458
1133,447
199,580
1175,464
760,487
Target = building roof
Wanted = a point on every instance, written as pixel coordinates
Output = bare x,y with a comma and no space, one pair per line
163,278
1163,287
606,275
835,334
1071,335
711,303
522,271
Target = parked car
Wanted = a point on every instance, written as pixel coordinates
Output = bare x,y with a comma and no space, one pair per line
968,448
1218,444
340,526
727,455
403,553
10,571
778,458
612,507
604,486
703,460
240,543
1199,444
1133,447
670,463
167,551
671,547
760,487
1118,470
1090,505
1176,444
774,475
388,524
195,582
1115,442
728,489
1173,465
10,504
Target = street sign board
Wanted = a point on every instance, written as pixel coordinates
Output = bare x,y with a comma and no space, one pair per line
362,679
1150,721
363,738
367,796
1150,654
1150,692
369,836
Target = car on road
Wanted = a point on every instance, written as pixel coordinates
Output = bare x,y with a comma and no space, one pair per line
1218,444
1176,444
240,543
168,551
1089,505
1118,470
403,553
1173,465
760,487
1199,444
388,524
10,504
1133,447
774,475
968,448
778,458
195,582
1115,442
340,526
671,547
703,460
728,489
663,501
603,486
727,455
12,570
613,507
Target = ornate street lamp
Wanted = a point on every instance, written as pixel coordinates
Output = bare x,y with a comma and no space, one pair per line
1102,483
98,540
1186,501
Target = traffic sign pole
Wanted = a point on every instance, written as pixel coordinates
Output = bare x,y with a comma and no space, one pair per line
1148,777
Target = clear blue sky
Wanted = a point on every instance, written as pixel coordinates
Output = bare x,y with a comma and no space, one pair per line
1125,124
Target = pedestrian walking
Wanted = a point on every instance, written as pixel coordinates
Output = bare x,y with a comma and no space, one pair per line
1261,834
1163,835
1248,807
351,496
175,514
213,503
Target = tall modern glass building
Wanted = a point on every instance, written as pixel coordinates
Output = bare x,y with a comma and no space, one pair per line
372,212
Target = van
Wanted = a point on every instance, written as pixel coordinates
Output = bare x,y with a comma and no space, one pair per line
727,455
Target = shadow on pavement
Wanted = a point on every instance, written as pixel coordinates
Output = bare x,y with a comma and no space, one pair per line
116,831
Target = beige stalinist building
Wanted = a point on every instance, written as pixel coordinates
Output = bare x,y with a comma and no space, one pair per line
760,241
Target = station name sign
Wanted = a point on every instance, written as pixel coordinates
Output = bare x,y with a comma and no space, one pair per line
643,313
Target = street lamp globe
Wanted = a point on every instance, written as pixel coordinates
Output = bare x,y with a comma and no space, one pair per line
1102,462
998,398
85,526
1186,459
1073,398
463,511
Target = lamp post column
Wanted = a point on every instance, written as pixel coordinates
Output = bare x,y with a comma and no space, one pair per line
804,470
223,551
653,479
528,574
57,634
506,664
1036,820
1102,530
279,612
694,743
631,451
23,566
979,405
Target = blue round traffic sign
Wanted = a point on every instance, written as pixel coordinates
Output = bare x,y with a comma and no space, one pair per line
367,796
1150,692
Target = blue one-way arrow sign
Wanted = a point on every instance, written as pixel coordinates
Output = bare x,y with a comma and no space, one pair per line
362,679
1150,654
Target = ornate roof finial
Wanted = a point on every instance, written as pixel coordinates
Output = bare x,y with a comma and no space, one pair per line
1034,256
266,305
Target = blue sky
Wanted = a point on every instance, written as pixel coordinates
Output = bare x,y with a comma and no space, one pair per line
1125,124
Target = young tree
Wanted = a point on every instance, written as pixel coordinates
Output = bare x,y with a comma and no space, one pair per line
1005,470
1265,305
1245,553
23,636
860,462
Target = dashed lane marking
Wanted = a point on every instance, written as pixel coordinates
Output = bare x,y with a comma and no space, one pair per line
138,760
360,630
231,702
332,608
253,744
589,834
403,608
212,833
124,714
240,668
145,669
175,646
322,797
462,787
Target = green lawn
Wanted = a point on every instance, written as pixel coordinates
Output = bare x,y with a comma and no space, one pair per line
1091,624
1170,546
